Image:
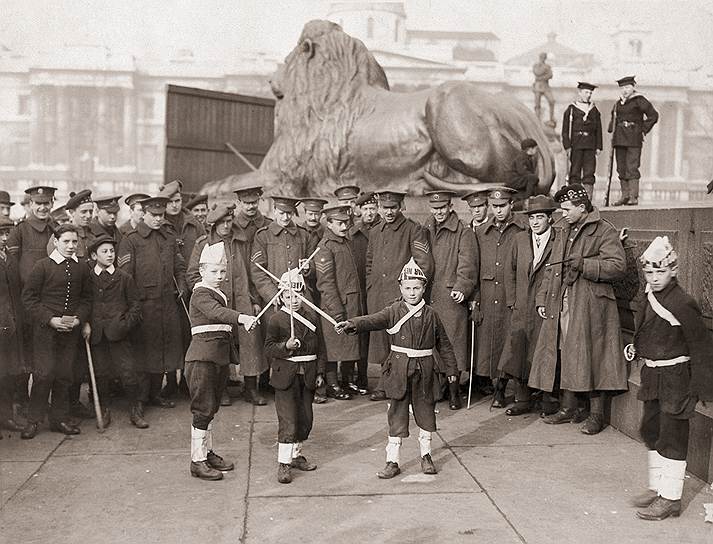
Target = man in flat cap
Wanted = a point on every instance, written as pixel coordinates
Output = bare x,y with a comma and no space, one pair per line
5,204
581,333
105,220
136,212
632,118
582,137
152,257
392,243
524,271
368,218
478,204
490,312
456,258
198,206
241,293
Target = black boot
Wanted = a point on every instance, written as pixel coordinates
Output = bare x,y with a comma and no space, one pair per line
499,394
454,396
136,415
252,395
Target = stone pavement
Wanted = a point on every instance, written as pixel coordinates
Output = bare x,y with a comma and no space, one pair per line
501,480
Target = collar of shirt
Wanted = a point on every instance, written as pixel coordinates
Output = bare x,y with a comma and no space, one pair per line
98,269
277,229
57,257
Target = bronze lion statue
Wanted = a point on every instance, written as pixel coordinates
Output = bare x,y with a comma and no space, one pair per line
337,122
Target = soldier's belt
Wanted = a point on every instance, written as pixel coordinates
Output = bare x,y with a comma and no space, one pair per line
412,352
302,358
627,124
211,328
666,362
583,133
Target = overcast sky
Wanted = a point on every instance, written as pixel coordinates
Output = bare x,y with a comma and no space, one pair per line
217,27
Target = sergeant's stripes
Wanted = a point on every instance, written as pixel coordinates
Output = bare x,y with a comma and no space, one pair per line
421,246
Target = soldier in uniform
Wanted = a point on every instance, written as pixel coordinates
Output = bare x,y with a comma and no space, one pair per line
150,254
198,206
478,205
240,292
5,204
582,137
28,243
456,258
347,195
105,220
58,298
491,314
80,207
313,216
341,297
359,235
524,271
136,212
392,243
632,118
12,363
248,217
581,332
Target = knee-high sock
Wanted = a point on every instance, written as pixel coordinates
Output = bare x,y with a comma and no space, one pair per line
284,452
424,441
199,451
209,437
673,473
393,450
655,467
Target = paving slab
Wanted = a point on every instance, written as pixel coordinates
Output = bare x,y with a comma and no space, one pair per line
13,475
407,518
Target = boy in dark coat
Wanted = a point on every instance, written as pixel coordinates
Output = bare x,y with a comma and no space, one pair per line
58,297
674,345
209,354
294,341
410,369
116,310
522,174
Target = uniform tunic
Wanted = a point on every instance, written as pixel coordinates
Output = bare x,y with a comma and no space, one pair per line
457,261
96,229
390,247
495,245
241,295
11,318
591,351
153,259
582,134
340,294
359,234
187,230
522,282
278,249
28,241
631,120
126,228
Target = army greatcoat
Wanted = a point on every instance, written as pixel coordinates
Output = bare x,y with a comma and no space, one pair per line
522,282
28,241
592,352
96,229
241,295
340,294
457,261
153,259
11,318
390,247
495,245
278,249
187,230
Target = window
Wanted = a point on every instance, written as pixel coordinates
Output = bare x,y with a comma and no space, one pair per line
370,27
23,104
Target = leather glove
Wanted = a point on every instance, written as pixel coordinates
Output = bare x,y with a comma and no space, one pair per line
569,276
577,263
476,315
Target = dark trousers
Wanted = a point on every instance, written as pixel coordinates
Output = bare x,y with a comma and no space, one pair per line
115,359
525,185
7,391
80,373
664,432
582,165
150,384
39,397
206,383
628,160
423,410
294,411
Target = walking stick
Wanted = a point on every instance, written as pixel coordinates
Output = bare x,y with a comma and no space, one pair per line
611,158
95,392
472,356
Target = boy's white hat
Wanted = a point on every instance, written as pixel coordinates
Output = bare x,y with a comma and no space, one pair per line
659,254
411,271
213,254
292,279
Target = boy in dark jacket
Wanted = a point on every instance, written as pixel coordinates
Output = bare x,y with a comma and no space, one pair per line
294,342
116,310
523,176
674,346
208,357
414,330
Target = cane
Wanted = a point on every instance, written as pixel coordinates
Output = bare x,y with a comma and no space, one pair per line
472,356
95,392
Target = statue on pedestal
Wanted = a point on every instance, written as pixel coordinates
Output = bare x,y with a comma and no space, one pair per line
541,86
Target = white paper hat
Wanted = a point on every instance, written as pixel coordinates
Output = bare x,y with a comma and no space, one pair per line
213,254
659,254
292,279
411,271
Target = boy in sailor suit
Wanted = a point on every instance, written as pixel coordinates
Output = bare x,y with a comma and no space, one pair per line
294,341
674,346
208,357
414,330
